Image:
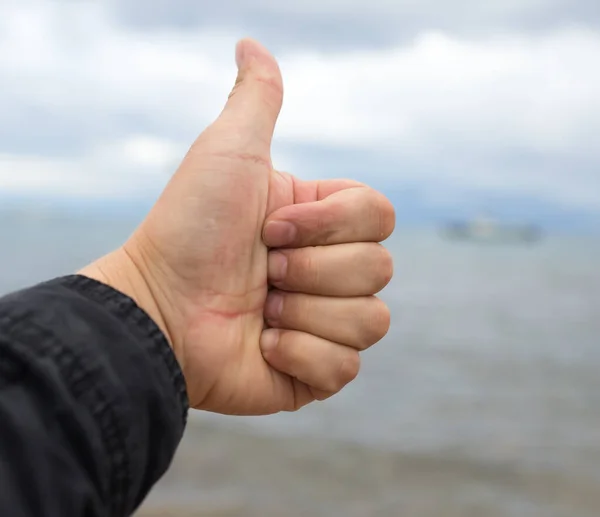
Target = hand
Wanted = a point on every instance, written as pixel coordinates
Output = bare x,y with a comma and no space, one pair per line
199,263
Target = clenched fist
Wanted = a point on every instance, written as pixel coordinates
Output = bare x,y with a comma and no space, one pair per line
262,283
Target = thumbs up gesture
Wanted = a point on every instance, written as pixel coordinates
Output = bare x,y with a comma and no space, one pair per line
262,283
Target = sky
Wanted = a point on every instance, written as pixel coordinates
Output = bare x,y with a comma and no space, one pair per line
450,102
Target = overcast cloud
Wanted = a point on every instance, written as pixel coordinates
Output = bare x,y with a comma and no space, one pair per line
348,23
102,98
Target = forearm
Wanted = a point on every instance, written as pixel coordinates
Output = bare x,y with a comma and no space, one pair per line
92,401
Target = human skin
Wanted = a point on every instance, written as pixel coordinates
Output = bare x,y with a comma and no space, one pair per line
262,283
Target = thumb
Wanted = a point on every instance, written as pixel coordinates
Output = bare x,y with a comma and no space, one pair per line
255,101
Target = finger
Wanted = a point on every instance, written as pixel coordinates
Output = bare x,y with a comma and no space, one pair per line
357,322
323,365
292,190
356,269
358,214
256,99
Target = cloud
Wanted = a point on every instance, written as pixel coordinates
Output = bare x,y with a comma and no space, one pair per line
511,112
91,106
348,23
117,170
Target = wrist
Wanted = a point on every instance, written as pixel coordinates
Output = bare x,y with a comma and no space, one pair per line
120,272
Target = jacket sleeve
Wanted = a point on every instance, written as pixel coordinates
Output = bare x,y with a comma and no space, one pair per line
92,401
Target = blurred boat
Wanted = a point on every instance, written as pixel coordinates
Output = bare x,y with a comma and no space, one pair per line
487,230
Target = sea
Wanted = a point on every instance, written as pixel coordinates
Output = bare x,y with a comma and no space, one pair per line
483,400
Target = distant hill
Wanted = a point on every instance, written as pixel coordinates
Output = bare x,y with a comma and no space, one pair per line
414,207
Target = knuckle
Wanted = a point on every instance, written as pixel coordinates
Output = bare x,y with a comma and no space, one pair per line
348,370
237,156
386,216
301,310
272,86
377,323
320,395
381,321
307,266
265,88
265,80
379,264
385,268
328,222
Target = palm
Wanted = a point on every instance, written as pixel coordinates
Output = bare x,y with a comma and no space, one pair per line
217,274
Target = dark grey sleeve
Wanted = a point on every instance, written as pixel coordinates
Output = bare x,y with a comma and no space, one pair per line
92,401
